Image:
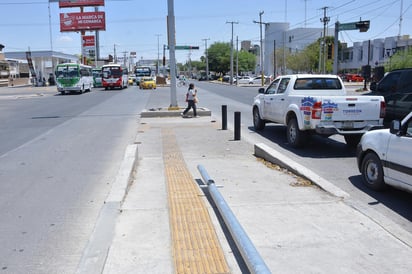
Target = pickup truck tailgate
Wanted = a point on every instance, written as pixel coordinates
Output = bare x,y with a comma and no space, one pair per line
347,108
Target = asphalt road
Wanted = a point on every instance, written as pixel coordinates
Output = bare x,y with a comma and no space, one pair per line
59,156
330,157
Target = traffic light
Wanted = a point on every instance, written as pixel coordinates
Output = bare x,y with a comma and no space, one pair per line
330,51
363,26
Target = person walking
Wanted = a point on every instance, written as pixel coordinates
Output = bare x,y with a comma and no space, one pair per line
191,100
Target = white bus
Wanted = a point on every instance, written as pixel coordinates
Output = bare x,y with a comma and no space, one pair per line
71,77
115,75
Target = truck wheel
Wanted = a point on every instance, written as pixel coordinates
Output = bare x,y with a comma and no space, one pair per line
352,140
258,123
372,172
296,137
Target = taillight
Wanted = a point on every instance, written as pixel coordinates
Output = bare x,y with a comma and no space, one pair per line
383,109
317,110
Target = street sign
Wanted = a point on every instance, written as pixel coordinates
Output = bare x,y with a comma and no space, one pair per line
185,47
348,26
362,26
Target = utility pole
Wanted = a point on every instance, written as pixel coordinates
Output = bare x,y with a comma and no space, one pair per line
207,59
231,52
158,55
261,46
325,20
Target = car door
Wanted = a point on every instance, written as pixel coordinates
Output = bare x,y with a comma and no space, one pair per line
398,164
268,100
280,101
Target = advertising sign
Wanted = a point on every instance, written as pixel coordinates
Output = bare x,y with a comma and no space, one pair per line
77,21
88,46
80,3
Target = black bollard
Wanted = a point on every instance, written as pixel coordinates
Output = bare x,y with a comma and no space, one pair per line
237,125
224,117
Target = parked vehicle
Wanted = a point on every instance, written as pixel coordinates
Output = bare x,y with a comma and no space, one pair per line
384,156
354,78
316,104
147,83
393,87
244,80
115,76
258,80
73,77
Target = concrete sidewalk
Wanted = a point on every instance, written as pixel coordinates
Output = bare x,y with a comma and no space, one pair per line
297,227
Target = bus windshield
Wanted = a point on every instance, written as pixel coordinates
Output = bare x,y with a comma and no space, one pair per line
143,71
114,72
67,71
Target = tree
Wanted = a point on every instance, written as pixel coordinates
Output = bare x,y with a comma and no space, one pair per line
219,57
401,59
247,61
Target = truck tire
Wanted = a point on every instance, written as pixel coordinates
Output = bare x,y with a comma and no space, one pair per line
352,140
372,172
258,123
296,137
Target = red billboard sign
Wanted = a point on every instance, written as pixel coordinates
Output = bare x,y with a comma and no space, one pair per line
80,3
88,40
77,21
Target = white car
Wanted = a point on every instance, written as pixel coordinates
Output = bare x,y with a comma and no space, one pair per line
384,156
244,80
258,80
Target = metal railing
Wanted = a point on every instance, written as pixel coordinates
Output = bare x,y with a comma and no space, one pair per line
248,251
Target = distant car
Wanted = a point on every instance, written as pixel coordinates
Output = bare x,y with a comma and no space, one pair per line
384,156
244,80
132,80
258,80
353,78
147,83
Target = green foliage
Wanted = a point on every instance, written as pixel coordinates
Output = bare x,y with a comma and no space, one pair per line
219,58
401,59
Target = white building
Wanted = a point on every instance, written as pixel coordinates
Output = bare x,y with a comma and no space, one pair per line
279,36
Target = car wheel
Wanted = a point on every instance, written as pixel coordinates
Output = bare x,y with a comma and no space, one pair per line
372,172
258,123
296,137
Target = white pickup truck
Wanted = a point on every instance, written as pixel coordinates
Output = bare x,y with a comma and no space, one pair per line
316,104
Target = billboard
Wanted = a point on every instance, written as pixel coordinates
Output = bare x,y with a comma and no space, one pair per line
77,21
80,3
88,45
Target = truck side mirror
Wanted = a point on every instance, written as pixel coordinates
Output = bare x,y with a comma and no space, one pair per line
261,90
395,127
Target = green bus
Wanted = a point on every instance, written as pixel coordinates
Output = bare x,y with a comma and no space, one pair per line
72,77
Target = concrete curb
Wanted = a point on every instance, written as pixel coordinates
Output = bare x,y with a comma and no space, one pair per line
95,253
273,156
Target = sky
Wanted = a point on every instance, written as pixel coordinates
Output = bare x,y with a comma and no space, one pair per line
140,25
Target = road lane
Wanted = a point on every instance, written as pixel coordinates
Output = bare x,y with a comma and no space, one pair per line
56,171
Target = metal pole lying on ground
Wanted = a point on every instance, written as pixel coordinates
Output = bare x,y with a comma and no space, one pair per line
249,253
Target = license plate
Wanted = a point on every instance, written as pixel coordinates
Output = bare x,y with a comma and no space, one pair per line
347,124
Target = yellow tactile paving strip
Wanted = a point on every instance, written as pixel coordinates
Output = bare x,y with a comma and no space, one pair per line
196,248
